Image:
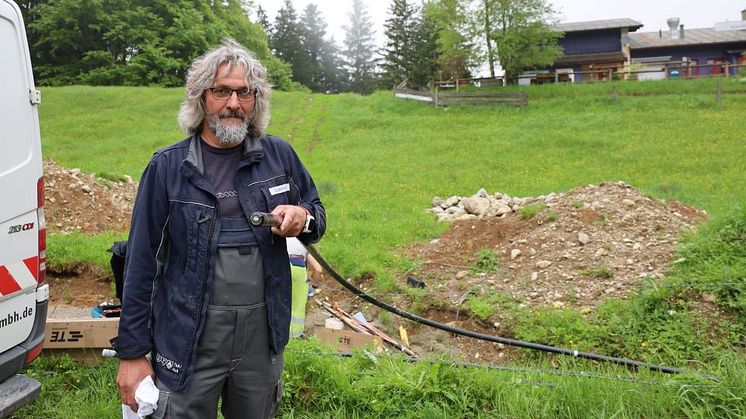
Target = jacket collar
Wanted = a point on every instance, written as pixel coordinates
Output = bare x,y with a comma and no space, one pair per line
194,155
251,145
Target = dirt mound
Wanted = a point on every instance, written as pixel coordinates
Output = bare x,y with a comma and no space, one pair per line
75,201
589,243
78,202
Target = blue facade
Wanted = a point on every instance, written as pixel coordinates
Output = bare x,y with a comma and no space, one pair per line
612,49
585,42
705,60
590,54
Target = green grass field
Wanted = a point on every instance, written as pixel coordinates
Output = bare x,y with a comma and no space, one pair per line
379,161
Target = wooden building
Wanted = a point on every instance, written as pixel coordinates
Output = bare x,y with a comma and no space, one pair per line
681,52
593,50
602,49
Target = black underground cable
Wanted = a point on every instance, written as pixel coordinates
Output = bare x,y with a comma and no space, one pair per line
491,338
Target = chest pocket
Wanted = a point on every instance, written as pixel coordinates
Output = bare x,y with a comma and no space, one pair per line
190,223
279,190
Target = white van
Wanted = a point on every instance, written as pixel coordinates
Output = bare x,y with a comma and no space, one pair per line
23,293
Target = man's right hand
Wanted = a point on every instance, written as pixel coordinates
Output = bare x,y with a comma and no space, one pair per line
131,372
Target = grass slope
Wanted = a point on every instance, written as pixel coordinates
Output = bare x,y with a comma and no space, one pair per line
379,161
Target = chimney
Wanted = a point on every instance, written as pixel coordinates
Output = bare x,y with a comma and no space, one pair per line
743,14
681,31
673,25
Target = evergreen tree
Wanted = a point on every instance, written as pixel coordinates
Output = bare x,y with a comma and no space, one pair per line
333,74
286,35
263,20
398,56
309,63
425,55
360,50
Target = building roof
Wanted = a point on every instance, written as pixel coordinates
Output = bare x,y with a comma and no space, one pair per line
691,37
593,25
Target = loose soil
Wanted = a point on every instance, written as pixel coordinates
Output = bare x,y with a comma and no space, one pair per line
591,243
75,201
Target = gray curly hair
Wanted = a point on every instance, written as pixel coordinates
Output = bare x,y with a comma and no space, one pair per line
201,75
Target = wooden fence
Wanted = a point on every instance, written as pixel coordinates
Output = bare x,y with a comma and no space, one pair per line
438,98
638,71
471,98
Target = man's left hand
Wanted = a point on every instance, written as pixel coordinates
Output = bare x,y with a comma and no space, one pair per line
293,220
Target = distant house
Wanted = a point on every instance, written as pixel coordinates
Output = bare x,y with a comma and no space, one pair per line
681,52
599,49
593,49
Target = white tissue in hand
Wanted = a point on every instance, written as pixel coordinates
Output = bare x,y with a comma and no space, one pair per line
146,396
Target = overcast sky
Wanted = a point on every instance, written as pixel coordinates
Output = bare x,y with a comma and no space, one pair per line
651,13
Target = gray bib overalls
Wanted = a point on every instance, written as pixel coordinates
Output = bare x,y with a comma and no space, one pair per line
234,360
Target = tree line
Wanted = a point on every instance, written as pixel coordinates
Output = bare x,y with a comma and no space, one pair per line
152,42
136,42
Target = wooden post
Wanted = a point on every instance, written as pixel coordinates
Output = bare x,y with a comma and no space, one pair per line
456,84
556,77
665,70
435,97
718,92
727,69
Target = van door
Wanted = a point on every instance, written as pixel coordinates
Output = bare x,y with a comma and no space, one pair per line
21,185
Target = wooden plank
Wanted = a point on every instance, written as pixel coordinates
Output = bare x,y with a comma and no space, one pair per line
507,103
412,92
365,328
490,101
489,82
489,95
469,98
420,98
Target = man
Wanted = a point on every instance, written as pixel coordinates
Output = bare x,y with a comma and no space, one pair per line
205,293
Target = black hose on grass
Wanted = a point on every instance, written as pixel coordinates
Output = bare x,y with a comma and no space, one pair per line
491,338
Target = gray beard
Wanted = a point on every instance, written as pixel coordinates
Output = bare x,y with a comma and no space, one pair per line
228,135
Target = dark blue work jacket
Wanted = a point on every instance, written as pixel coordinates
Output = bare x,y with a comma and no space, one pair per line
173,245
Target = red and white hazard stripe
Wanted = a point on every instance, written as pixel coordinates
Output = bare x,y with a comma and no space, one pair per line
19,275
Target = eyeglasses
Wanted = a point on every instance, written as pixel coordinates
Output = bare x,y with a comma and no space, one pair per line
222,94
